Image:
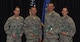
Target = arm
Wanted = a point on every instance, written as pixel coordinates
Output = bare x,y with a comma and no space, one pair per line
25,26
72,28
7,27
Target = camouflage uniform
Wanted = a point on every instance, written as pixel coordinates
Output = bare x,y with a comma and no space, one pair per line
14,26
68,26
52,26
32,25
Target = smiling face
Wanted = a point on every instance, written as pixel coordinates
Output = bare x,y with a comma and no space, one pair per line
64,11
50,7
33,11
17,11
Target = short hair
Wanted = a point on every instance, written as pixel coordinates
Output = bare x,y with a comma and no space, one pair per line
16,7
51,3
33,7
66,8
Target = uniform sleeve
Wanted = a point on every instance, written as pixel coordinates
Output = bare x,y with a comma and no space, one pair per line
40,30
22,29
45,24
59,23
72,28
25,29
7,27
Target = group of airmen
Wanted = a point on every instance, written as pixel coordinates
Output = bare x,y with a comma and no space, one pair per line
56,28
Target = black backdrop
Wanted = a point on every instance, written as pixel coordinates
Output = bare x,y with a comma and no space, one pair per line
6,7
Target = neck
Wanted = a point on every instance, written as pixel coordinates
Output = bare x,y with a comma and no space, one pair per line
33,15
16,15
64,15
50,11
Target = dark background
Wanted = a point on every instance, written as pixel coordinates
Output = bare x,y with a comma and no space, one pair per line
7,6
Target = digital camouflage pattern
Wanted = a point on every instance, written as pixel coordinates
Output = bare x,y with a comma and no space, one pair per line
32,25
52,27
14,25
68,26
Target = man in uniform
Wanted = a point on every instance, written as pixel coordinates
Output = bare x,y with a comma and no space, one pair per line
13,26
68,27
32,26
52,24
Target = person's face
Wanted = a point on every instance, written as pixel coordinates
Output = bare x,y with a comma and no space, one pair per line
64,11
17,11
33,11
50,7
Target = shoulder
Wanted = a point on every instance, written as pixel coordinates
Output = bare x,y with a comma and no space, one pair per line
27,17
70,18
56,14
10,18
21,17
38,18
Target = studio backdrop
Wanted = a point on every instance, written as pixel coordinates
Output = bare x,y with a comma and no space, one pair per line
7,6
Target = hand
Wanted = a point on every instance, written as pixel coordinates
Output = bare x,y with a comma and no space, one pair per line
49,33
64,33
40,39
32,35
14,35
20,35
42,25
